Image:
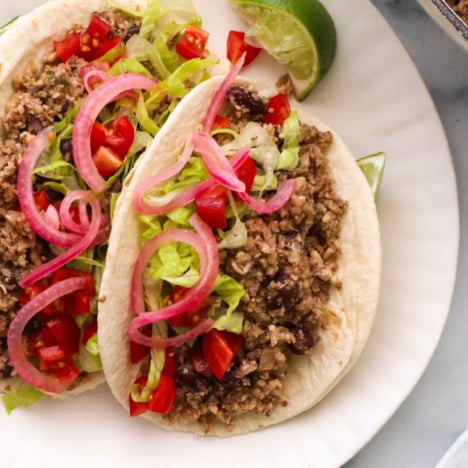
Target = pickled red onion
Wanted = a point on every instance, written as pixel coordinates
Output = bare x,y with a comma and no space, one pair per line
36,219
140,205
80,246
216,162
88,114
204,242
185,196
23,367
218,98
277,201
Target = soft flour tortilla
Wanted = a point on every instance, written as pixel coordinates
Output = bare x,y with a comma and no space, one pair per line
352,308
22,46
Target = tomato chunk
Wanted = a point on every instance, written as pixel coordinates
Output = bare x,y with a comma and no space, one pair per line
66,333
221,122
89,330
31,292
211,207
136,407
246,172
41,200
236,46
68,46
137,350
219,349
163,396
278,109
107,161
49,354
120,136
91,40
66,372
193,42
190,317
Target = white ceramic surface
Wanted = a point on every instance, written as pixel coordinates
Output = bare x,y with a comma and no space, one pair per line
375,98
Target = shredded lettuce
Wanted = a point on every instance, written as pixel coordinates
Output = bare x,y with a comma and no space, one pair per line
23,396
230,290
289,156
150,19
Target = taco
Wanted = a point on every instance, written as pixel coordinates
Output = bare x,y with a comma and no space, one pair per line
242,274
84,87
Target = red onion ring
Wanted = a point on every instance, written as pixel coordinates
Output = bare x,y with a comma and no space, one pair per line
80,246
140,205
88,114
216,162
23,367
277,201
204,242
25,193
218,98
185,196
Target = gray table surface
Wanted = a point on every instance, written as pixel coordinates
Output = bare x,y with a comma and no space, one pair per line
436,411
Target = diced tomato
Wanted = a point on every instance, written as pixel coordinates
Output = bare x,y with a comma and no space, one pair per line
41,200
78,303
211,207
65,332
193,42
219,349
236,46
278,109
68,46
66,372
169,363
190,317
246,173
199,363
137,350
107,161
39,339
89,330
163,396
136,408
108,45
221,122
49,354
91,40
120,136
31,292
98,135
65,272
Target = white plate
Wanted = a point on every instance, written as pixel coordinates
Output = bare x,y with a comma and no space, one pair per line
375,98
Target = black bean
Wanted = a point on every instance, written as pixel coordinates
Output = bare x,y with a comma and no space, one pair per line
35,126
66,148
304,341
247,100
192,381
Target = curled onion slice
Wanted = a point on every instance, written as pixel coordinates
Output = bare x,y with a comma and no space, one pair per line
185,195
140,204
204,242
277,201
218,98
88,114
38,222
80,246
216,162
23,367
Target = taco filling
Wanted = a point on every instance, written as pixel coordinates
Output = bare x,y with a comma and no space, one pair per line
277,243
72,129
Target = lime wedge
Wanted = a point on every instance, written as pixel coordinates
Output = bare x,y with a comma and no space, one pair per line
372,167
299,34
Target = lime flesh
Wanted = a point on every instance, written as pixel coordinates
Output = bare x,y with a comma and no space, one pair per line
372,167
299,34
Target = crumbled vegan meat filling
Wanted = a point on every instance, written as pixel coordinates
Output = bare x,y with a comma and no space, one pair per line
41,97
287,269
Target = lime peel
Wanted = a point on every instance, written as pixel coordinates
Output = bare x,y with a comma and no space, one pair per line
372,166
299,34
